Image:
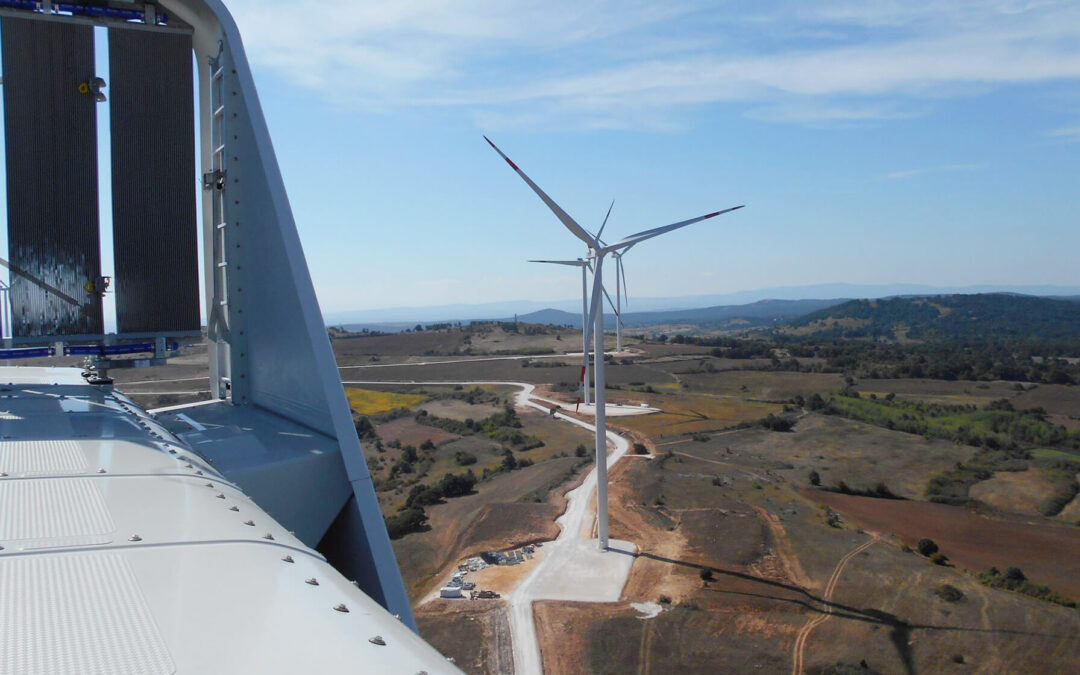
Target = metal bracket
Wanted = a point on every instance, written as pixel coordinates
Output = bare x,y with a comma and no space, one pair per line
214,180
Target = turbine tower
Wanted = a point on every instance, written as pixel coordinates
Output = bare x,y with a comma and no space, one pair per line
584,265
598,250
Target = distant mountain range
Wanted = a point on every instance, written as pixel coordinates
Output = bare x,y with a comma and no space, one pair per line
755,314
402,317
947,317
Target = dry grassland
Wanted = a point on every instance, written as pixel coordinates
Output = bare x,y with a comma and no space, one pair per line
684,414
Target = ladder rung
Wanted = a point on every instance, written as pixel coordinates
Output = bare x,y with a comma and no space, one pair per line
218,73
221,226
220,112
223,263
220,148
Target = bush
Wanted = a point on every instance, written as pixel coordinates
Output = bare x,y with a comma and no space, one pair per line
706,575
939,558
423,495
927,547
453,485
427,445
462,458
580,451
664,600
404,522
948,593
640,449
775,423
815,478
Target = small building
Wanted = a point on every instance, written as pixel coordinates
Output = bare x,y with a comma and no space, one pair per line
450,592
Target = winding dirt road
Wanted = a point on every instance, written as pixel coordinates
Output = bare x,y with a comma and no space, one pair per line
804,633
573,567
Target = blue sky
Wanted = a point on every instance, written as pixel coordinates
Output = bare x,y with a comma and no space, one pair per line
921,142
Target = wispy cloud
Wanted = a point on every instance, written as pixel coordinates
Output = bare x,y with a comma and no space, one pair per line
601,63
908,173
1066,134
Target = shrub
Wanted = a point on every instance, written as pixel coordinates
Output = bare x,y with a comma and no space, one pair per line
640,449
404,522
427,445
462,458
700,438
453,485
706,575
927,547
580,451
776,423
939,558
815,478
664,600
948,593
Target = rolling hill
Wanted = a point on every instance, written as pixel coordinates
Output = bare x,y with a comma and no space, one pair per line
755,314
947,317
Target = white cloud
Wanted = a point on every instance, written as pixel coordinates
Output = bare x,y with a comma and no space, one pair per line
600,63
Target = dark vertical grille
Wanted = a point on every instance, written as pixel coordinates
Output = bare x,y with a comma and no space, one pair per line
153,182
52,188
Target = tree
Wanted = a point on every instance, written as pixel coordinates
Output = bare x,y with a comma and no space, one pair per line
580,451
640,449
408,454
815,478
458,485
706,575
927,547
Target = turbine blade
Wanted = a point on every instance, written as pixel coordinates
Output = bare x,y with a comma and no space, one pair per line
596,302
604,224
618,316
577,230
571,263
622,275
633,239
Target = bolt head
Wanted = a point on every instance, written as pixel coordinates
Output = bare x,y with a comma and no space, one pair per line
249,522
288,559
311,582
268,536
377,640
345,610
101,470
235,508
134,537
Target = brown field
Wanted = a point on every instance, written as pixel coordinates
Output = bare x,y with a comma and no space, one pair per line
684,414
1047,554
958,392
474,632
409,432
1056,399
1015,491
839,449
458,410
764,385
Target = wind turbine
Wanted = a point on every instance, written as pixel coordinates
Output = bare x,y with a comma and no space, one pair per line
584,265
598,250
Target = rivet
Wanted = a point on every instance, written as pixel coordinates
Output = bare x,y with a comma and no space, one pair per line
188,466
377,640
248,522
198,473
171,451
345,610
3,475
234,508
134,537
101,470
221,495
268,536
1,548
288,559
209,485
311,582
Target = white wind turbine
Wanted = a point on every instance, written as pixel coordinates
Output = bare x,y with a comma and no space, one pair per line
598,250
584,265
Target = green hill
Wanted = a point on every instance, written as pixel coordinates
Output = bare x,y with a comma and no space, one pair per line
947,318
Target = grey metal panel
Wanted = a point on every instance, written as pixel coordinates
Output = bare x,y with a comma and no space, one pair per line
52,184
153,181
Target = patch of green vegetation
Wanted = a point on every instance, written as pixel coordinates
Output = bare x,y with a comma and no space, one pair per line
1013,579
502,427
1062,475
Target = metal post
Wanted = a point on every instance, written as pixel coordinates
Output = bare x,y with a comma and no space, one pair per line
601,422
